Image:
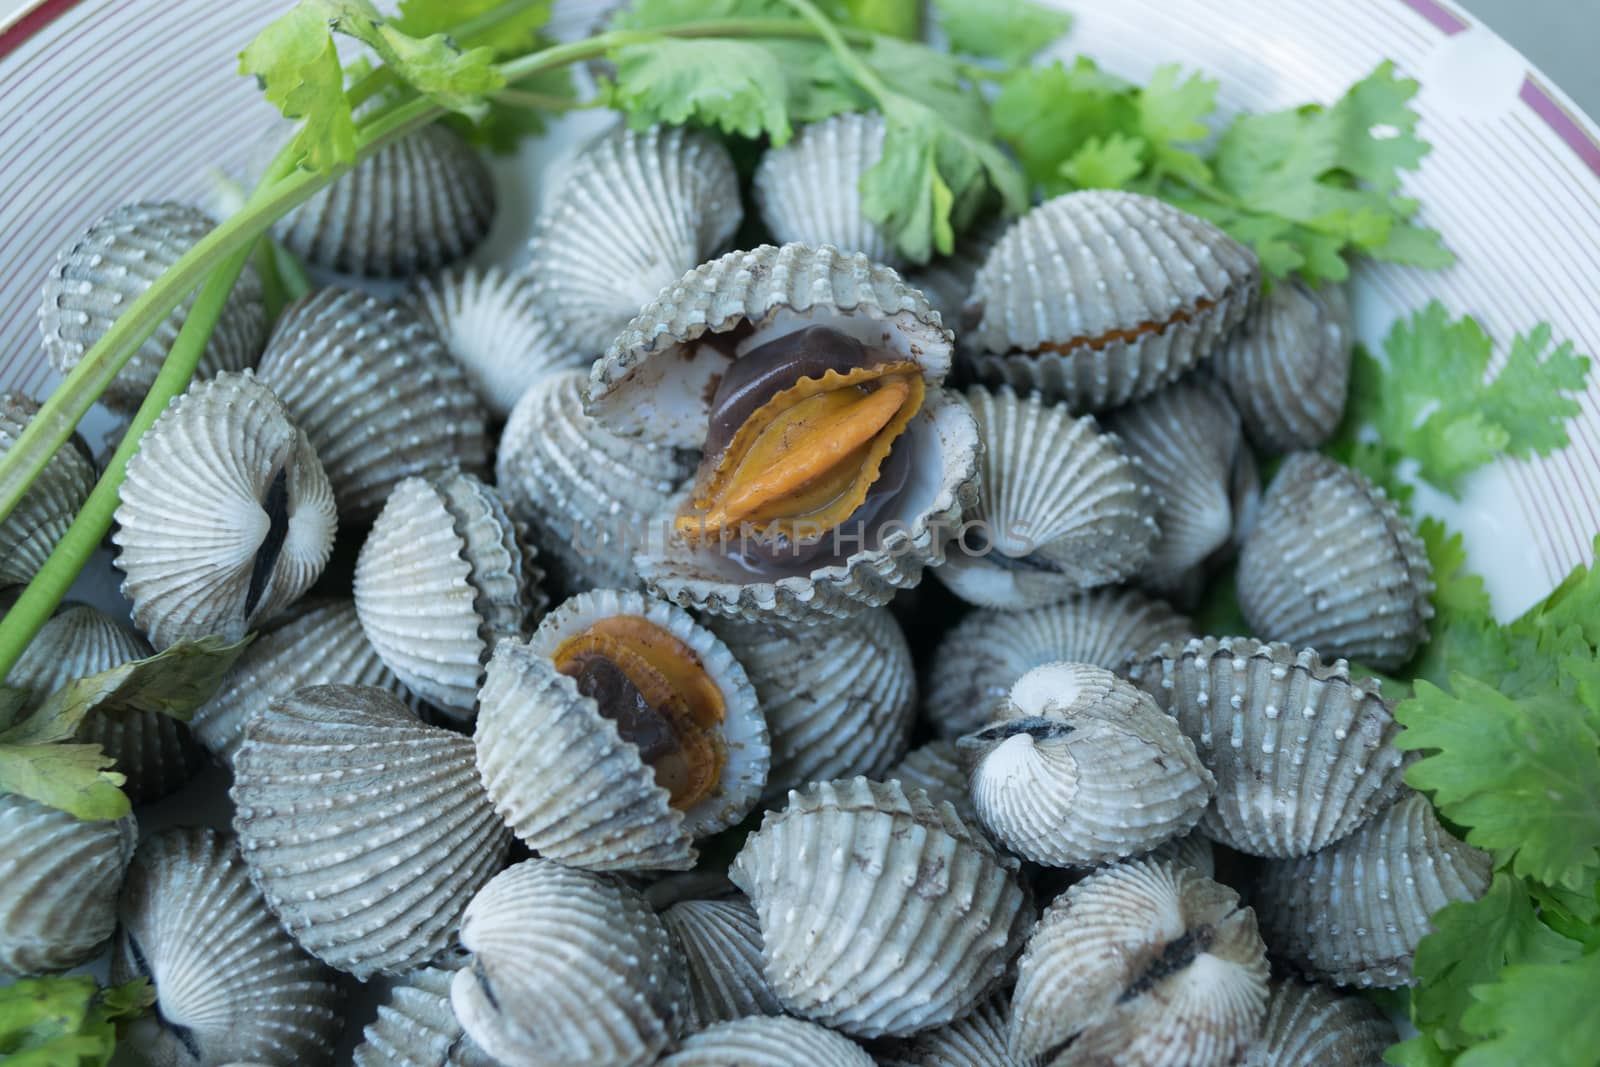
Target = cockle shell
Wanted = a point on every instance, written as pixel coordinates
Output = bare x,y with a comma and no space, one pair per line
761,1041
1303,752
1309,1025
29,534
416,1027
977,1039
1355,911
636,211
376,392
720,940
882,912
1334,565
809,190
226,515
1287,367
1061,509
565,780
61,875
101,271
947,280
1141,964
366,830
980,658
1099,297
1193,849
415,205
567,967
229,982
443,576
937,768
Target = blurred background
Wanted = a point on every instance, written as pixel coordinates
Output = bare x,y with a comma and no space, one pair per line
1560,37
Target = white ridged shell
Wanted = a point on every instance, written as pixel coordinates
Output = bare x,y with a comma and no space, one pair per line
416,1027
1191,850
809,190
936,768
977,1039
721,943
30,532
776,1041
1309,1025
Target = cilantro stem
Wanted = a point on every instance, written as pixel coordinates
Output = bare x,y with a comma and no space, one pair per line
830,35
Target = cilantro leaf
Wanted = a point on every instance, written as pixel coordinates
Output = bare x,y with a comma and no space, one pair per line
1575,602
731,84
1419,1051
1110,162
1012,31
897,18
434,65
1536,1014
66,1020
515,28
1173,113
294,61
72,778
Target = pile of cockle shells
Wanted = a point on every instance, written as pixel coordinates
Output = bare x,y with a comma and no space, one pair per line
584,775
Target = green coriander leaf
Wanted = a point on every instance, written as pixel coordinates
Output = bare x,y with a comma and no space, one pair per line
897,18
294,61
1420,1051
655,14
1536,1014
514,32
507,122
434,65
1172,113
1047,114
1112,162
1012,31
931,77
818,86
1573,915
1528,398
72,778
1458,593
65,1021
1575,602
1376,129
13,702
732,85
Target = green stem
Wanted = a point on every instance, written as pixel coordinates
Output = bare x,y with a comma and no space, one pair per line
857,67
291,272
542,101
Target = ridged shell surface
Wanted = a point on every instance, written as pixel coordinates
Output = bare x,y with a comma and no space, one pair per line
1332,564
230,984
1354,913
977,1039
1303,752
763,1041
809,190
377,393
106,268
882,912
416,205
947,280
1144,965
29,534
636,211
61,875
226,516
1099,297
366,830
938,769
1309,1025
721,942
1193,849
416,1027
567,967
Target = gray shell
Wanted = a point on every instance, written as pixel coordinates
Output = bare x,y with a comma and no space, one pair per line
1303,752
415,205
809,190
1309,1025
977,1039
720,940
1191,850
1070,280
938,769
98,273
376,392
29,534
366,830
416,1027
776,1041
1354,913
947,281
1332,564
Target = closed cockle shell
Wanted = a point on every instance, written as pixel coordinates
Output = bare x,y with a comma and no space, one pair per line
636,211
567,967
101,271
809,190
1354,912
1060,510
1099,297
1309,1025
415,205
977,1039
443,576
768,1041
376,392
230,984
1303,753
1079,768
226,515
882,912
937,768
492,325
1287,366
573,781
1332,564
839,698
721,942
416,1027
1193,849
61,875
1144,965
29,534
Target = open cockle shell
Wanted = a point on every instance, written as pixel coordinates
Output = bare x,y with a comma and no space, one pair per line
809,190
1309,1025
1303,753
567,967
416,1027
977,1039
1142,965
768,1041
1099,297
721,942
29,534
226,515
882,912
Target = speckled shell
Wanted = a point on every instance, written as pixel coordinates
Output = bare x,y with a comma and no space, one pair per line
366,830
587,495
376,392
155,752
1062,291
443,576
416,1027
1143,965
882,912
61,875
230,984
778,1041
809,190
636,211
1303,752
947,281
193,517
977,1039
567,967
720,940
492,325
30,532
1309,1025
839,698
101,271
1334,565
1060,509
415,205
981,656
937,768
560,773
1287,367
1354,913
